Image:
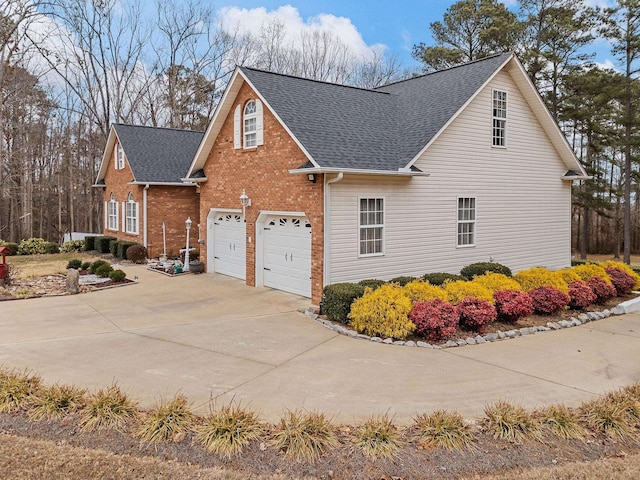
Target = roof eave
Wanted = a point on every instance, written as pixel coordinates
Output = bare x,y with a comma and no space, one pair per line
194,180
166,184
359,171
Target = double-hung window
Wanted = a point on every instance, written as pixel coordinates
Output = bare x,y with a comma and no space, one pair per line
466,221
112,213
499,118
250,124
131,215
371,226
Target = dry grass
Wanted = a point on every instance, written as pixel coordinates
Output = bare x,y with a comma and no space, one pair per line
513,423
304,436
167,421
32,266
443,429
607,417
108,408
56,401
563,421
228,430
17,389
378,437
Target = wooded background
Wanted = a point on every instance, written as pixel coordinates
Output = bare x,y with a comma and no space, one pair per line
71,68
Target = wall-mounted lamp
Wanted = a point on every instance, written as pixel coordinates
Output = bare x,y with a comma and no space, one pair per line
311,177
245,201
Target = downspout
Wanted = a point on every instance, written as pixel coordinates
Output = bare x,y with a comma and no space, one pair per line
327,223
144,214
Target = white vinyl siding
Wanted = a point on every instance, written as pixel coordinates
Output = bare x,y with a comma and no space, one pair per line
525,205
112,214
466,221
499,116
131,215
371,226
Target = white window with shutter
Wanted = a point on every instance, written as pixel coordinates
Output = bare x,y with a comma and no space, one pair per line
131,215
112,213
250,124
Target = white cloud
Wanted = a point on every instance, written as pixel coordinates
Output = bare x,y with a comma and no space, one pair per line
607,64
250,21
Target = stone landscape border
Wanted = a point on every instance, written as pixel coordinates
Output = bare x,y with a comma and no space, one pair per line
629,306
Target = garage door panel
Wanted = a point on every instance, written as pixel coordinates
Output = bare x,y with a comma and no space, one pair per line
229,256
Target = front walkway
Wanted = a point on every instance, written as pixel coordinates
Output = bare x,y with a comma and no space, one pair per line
210,336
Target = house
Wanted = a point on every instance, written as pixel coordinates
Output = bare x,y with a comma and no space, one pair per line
423,175
140,174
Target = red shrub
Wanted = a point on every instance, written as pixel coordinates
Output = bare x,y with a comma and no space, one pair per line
622,281
603,290
476,313
435,319
548,299
512,305
581,295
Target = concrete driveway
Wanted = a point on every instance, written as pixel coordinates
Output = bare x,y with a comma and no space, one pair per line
212,337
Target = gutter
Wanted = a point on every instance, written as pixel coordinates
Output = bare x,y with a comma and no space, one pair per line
326,274
404,172
144,215
166,184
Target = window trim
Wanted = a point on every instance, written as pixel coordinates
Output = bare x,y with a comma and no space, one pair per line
248,116
473,222
381,226
112,206
495,118
131,203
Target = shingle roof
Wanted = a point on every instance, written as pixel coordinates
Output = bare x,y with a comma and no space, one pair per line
381,129
161,155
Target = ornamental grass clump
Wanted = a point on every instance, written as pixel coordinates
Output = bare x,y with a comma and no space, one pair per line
548,300
435,319
229,430
629,403
581,295
606,417
166,421
108,408
537,277
458,291
476,313
443,429
512,305
421,291
17,389
563,422
622,281
304,436
604,291
496,281
513,423
591,270
57,401
382,313
378,437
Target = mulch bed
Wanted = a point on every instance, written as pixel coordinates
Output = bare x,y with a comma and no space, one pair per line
47,286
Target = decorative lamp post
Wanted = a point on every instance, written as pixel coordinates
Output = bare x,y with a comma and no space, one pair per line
186,250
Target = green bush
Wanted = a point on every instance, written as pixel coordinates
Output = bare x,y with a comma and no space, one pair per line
90,243
575,262
72,246
113,247
480,268
122,247
372,283
52,247
136,253
13,247
402,281
439,278
75,264
85,266
104,270
97,264
102,244
337,299
32,246
117,275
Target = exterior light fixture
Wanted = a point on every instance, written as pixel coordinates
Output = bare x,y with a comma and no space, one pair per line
188,223
245,201
311,177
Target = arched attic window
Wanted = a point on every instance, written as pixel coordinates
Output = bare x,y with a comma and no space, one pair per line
248,125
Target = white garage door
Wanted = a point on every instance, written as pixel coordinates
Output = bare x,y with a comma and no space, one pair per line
287,254
229,248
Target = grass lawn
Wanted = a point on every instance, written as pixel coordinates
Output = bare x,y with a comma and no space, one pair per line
30,266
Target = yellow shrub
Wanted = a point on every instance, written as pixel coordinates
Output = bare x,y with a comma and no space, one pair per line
540,277
625,267
383,312
496,281
590,270
461,289
568,275
421,291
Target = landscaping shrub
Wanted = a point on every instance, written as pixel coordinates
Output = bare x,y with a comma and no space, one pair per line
378,437
421,291
372,283
108,408
439,278
75,264
622,281
444,429
402,281
102,244
382,313
122,247
563,422
51,247
496,281
603,290
113,247
568,275
480,268
540,277
304,436
117,275
581,295
512,305
590,270
13,247
166,421
510,422
576,261
476,314
17,389
97,264
56,402
32,246
435,319
136,253
337,300
72,246
548,299
85,266
460,289
104,270
606,417
90,243
633,271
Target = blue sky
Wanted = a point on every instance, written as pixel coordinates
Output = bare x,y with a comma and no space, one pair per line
397,25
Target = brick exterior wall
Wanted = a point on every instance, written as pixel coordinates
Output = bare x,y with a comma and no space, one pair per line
263,173
169,204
